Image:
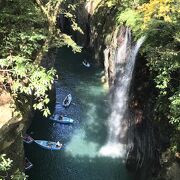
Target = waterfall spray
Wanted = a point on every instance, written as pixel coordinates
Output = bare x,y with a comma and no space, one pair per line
117,123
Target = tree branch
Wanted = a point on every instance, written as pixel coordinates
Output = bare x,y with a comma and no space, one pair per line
40,4
57,9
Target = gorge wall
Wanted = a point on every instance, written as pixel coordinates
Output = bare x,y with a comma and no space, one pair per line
16,117
13,124
99,40
147,141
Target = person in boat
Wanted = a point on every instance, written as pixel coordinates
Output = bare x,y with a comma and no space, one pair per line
58,144
61,117
28,138
66,101
86,63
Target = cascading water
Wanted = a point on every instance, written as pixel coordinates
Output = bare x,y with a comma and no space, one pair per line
117,123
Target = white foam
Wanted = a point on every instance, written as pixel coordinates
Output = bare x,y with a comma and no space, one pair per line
117,123
114,150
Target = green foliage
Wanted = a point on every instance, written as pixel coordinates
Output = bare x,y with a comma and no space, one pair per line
111,3
130,17
165,11
24,77
51,9
175,109
161,26
23,33
6,165
27,30
66,40
22,28
18,176
161,49
69,13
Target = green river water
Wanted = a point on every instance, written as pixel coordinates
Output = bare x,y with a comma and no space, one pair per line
80,158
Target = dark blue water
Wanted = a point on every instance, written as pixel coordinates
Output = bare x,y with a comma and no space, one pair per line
80,158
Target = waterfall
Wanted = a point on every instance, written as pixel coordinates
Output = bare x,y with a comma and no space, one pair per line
117,122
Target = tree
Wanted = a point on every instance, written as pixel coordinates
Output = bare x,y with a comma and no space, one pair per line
27,31
51,9
22,35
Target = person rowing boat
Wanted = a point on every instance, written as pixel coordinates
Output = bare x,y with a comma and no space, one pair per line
58,144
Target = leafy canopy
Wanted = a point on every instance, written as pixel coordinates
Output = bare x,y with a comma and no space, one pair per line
161,19
28,30
22,33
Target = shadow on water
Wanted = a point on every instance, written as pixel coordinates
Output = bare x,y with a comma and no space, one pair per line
80,159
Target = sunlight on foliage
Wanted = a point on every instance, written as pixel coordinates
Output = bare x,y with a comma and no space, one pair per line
175,109
131,18
159,9
6,165
22,76
70,43
28,30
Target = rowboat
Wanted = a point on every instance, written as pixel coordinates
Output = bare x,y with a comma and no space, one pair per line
67,100
61,119
48,144
27,164
86,64
28,139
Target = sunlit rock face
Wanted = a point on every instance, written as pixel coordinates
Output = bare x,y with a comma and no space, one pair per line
103,30
12,127
5,110
103,40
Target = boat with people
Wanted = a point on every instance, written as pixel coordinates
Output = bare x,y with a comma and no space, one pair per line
27,164
86,63
61,119
49,144
28,139
67,100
